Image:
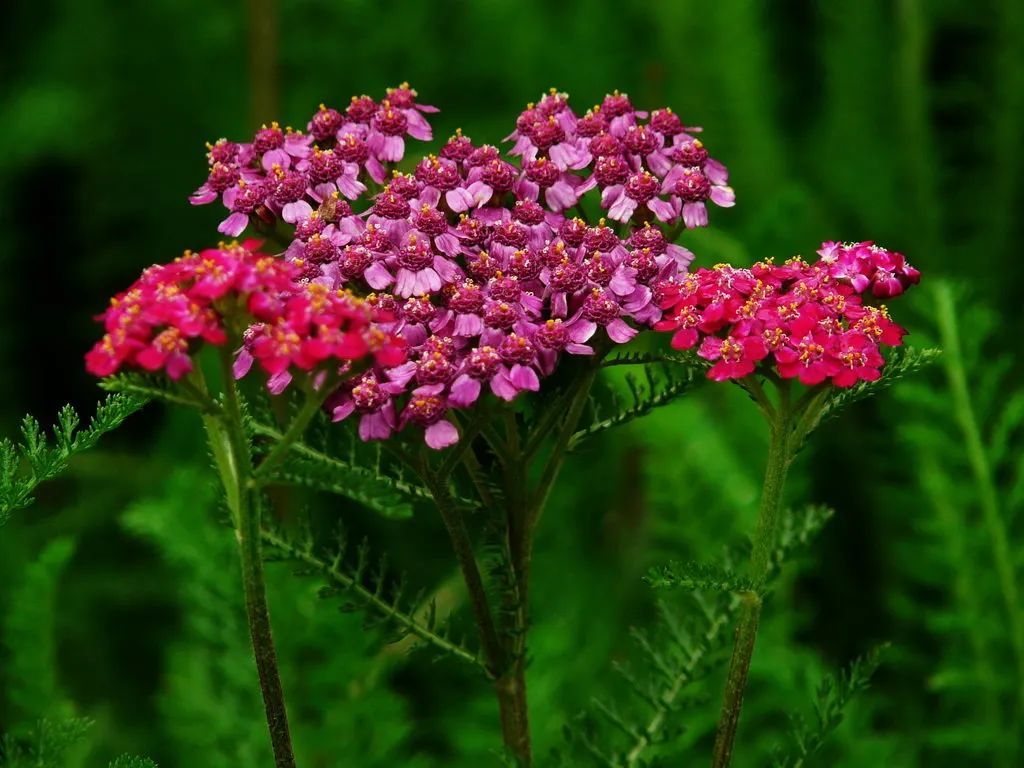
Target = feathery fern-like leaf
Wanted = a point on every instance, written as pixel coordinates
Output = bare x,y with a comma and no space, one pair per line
832,697
370,588
682,650
693,575
902,362
37,458
29,637
132,761
645,394
46,746
376,488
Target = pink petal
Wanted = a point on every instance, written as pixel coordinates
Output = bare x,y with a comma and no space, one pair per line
459,199
582,330
293,212
682,256
277,383
275,157
377,426
695,215
243,363
343,411
468,325
723,196
441,435
619,331
464,392
663,209
503,387
233,225
622,208
448,244
418,126
524,377
202,196
716,172
350,187
377,276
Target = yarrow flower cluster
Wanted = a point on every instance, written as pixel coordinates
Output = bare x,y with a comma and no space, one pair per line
283,173
478,271
804,321
489,279
640,166
159,321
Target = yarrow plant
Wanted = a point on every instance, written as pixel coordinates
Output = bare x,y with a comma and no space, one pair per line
420,303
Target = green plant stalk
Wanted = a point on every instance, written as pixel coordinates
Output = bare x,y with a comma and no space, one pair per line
977,456
314,400
525,506
231,454
780,454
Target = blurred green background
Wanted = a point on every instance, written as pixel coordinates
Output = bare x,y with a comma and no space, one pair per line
894,121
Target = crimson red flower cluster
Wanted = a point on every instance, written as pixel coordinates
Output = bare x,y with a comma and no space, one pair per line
159,321
801,321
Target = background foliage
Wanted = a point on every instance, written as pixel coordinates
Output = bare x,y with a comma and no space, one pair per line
898,121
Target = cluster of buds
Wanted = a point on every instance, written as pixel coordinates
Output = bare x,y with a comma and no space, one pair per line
283,173
798,320
159,322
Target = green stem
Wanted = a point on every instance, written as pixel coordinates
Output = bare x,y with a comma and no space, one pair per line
463,548
977,456
780,454
231,453
314,400
524,509
558,452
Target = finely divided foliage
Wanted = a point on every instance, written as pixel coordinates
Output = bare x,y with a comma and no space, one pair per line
38,458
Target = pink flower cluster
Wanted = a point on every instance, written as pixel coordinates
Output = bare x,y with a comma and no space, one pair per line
157,323
800,320
282,174
642,164
484,304
489,280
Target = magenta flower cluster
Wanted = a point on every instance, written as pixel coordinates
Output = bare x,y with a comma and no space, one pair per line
800,321
476,253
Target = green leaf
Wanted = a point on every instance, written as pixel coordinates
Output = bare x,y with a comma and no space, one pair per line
29,637
333,476
46,746
371,486
703,576
369,586
796,530
35,460
902,362
833,695
653,391
130,761
154,387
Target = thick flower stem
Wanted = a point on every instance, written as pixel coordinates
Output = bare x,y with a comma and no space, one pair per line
510,689
525,506
780,454
231,455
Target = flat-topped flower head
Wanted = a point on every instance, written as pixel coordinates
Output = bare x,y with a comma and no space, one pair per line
161,320
802,321
481,258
